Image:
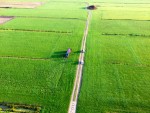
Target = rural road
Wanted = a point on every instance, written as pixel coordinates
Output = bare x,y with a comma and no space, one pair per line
77,83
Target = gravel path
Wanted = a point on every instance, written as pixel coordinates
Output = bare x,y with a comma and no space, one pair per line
77,83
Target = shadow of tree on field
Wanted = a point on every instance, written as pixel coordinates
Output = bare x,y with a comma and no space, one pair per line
61,54
77,52
75,63
58,54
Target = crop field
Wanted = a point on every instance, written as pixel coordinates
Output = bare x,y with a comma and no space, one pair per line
117,62
35,36
33,69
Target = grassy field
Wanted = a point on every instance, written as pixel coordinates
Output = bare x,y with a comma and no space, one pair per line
33,69
50,9
117,63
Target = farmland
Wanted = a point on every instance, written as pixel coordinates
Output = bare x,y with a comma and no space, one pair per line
33,44
116,70
117,63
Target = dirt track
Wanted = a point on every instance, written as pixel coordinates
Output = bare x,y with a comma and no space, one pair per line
20,4
77,83
4,19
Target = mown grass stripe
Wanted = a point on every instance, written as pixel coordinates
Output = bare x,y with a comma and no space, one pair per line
120,88
135,55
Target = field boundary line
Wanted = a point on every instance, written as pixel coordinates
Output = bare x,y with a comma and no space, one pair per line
120,3
122,19
131,35
128,64
25,58
79,71
70,2
42,31
61,18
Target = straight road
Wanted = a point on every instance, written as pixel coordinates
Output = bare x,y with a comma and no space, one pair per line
79,71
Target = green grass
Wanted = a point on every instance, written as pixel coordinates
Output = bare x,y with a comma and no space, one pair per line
47,83
117,61
33,68
58,25
124,11
50,9
127,14
117,75
36,45
124,27
133,11
117,65
37,82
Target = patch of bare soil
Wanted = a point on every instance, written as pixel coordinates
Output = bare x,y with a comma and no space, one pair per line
4,19
20,4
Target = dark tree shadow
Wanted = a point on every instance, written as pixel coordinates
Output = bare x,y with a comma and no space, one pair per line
62,54
59,54
75,63
5,7
77,52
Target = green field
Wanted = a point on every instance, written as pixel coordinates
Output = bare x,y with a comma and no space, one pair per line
117,59
33,68
117,63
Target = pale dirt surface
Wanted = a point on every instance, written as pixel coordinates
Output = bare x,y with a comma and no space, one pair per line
4,19
8,4
77,83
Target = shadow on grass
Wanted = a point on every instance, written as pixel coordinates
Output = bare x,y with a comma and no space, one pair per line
58,54
77,52
75,63
61,54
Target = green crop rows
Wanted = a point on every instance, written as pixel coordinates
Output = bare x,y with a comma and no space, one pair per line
117,63
33,69
117,59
